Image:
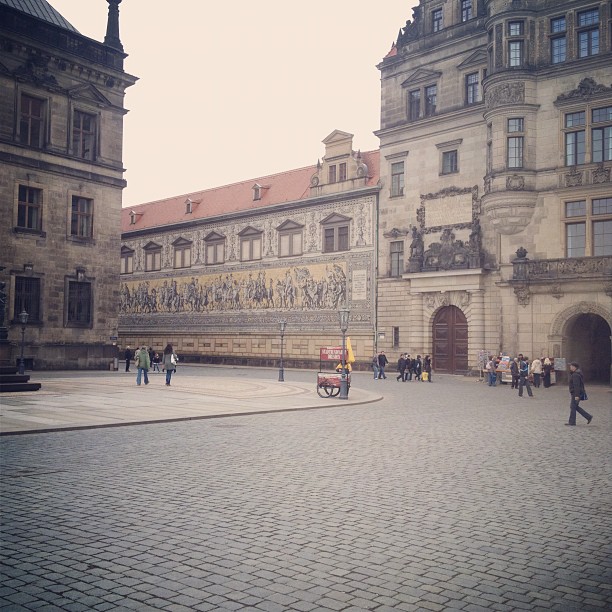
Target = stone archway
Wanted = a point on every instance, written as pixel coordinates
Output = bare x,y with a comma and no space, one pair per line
585,332
450,341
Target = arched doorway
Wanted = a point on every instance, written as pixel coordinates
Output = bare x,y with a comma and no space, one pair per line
588,343
450,341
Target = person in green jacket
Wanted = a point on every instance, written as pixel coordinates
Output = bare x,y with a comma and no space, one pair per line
143,363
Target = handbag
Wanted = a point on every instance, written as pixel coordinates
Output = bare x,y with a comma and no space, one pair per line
583,396
173,359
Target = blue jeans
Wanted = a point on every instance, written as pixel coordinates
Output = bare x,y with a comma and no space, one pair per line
492,379
574,408
382,372
376,369
169,376
524,382
139,373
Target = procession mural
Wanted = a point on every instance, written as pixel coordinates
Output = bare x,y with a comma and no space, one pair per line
316,287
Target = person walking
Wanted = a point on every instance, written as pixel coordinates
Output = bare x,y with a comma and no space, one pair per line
577,394
547,368
417,368
427,367
382,364
401,367
129,355
155,362
536,370
490,369
524,376
143,363
375,366
169,362
514,372
409,362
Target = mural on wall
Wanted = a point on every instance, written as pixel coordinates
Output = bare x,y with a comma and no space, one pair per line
316,287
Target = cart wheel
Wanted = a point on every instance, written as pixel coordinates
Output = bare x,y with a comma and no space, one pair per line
332,391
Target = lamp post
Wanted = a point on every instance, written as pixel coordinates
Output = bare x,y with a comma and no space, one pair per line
281,371
23,319
343,315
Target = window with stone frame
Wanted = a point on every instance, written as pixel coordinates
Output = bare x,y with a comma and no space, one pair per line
472,88
290,239
27,297
332,174
515,142
587,31
182,253
32,121
250,244
342,172
84,135
82,217
450,162
79,304
215,249
414,104
466,10
588,131
127,260
588,227
396,255
431,100
601,134
29,209
436,20
397,179
152,252
336,229
558,40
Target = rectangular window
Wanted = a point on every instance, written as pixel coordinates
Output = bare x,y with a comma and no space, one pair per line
588,43
215,253
449,162
27,297
575,119
431,96
396,337
81,223
84,135
575,239
342,171
250,248
182,257
472,94
516,124
397,179
602,206
290,243
436,20
602,136
515,152
602,238
575,209
558,50
589,229
574,148
332,174
79,303
336,238
515,28
466,10
515,53
29,208
587,18
558,25
127,262
397,258
32,121
414,104
152,260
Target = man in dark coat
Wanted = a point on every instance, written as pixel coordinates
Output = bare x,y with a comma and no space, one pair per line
401,367
129,355
382,363
576,389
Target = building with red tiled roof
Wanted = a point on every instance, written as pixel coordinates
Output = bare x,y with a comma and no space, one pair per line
214,272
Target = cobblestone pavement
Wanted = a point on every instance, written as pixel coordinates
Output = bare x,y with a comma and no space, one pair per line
443,496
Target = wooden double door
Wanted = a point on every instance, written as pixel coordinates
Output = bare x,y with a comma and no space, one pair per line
450,341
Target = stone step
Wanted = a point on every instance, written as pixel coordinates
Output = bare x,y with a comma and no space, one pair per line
8,370
16,387
14,378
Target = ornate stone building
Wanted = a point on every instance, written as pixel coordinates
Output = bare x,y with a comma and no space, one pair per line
496,199
215,272
61,178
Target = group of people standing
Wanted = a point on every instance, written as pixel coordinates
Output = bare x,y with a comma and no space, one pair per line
144,357
417,369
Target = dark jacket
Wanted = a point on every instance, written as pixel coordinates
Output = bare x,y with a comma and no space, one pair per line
523,368
401,365
427,365
576,383
129,355
382,360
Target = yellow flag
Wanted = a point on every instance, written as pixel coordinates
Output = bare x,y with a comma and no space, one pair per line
350,358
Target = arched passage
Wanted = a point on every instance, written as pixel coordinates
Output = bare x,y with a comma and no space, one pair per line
588,343
450,341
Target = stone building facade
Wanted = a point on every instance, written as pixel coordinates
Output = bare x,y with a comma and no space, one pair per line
61,179
215,272
496,199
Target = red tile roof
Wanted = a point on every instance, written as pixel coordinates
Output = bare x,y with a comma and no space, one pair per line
290,186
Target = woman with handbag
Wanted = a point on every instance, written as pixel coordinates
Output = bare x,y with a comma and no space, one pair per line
169,362
578,394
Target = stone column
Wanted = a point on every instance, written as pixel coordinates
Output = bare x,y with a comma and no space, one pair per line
476,328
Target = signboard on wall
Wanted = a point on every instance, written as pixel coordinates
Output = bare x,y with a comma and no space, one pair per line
331,353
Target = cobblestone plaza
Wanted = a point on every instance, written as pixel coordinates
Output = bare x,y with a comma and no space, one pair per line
443,496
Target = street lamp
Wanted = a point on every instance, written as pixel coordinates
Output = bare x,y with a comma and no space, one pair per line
281,371
23,319
343,315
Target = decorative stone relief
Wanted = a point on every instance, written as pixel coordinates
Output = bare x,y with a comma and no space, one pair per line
586,89
506,93
434,300
487,184
556,291
523,294
601,174
396,233
573,178
515,182
608,290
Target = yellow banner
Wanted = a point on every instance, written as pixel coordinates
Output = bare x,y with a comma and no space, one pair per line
350,358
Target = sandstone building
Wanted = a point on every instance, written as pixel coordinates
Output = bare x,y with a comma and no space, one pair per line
496,202
61,179
215,272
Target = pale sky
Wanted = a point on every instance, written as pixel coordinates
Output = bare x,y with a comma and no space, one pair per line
230,91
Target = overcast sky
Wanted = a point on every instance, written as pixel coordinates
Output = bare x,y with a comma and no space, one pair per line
230,91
